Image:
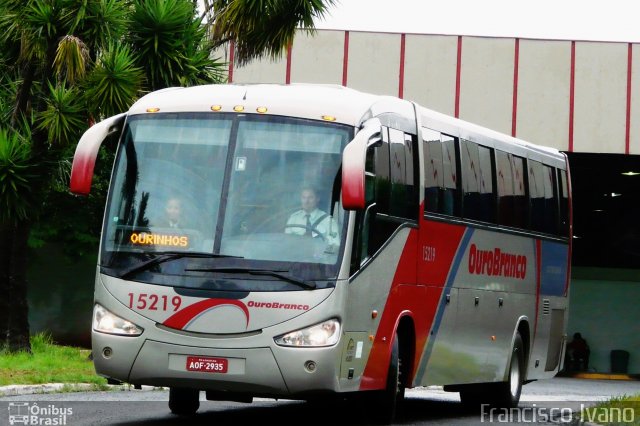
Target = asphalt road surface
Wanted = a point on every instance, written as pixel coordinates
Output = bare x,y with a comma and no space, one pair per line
545,402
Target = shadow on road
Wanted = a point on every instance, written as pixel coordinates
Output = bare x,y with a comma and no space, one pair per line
415,411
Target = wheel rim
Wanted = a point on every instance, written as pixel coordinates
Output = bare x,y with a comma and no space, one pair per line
514,375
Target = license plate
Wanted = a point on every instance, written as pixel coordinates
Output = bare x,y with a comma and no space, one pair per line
207,365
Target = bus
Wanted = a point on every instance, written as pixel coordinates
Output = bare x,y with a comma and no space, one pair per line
438,252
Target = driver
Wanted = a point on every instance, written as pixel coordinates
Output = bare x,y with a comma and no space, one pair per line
311,221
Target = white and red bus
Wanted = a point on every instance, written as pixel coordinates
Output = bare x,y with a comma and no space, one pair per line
438,253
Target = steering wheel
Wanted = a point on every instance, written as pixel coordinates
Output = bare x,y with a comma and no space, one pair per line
313,229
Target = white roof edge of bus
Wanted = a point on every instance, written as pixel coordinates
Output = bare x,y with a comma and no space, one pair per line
310,101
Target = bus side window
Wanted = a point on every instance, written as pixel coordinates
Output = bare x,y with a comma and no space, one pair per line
433,172
536,191
449,196
550,202
504,179
440,180
564,203
403,197
520,202
512,192
477,182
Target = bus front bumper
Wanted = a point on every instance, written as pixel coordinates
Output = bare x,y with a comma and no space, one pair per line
279,372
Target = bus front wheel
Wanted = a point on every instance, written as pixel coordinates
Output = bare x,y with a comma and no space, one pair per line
184,402
387,401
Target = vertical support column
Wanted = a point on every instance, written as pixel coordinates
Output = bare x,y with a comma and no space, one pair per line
232,52
287,78
458,70
627,136
572,85
514,115
345,58
401,71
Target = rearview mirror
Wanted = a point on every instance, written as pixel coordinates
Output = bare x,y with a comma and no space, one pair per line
353,164
84,159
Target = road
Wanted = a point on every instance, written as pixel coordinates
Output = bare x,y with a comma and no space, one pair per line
423,406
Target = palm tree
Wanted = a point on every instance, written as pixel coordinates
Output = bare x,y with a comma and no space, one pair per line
259,27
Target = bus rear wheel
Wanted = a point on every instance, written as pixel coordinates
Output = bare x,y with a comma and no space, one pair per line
507,394
184,402
503,394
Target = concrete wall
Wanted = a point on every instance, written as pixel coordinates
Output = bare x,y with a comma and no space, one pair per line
572,95
604,309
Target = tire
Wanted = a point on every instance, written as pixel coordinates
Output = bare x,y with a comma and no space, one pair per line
503,394
507,394
184,402
388,401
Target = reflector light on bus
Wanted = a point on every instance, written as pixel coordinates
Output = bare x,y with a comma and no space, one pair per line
153,109
261,110
238,108
328,118
216,108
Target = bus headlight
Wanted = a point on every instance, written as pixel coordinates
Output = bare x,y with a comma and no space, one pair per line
324,334
106,322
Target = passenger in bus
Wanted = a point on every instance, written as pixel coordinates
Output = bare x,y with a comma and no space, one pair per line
173,213
311,221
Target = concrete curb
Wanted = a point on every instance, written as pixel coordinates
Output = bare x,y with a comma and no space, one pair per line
17,390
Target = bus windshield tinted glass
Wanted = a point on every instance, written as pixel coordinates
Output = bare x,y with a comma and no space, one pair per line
254,191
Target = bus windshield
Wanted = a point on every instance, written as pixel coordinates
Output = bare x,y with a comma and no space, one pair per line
207,200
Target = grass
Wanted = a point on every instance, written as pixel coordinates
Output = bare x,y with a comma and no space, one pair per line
623,410
48,363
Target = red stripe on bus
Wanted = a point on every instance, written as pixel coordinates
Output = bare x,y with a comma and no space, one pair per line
232,52
514,114
181,318
401,71
345,58
458,70
572,83
288,74
627,137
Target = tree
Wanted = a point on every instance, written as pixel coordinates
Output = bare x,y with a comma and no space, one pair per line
67,63
261,27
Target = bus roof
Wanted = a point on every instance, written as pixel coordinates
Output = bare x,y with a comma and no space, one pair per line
312,101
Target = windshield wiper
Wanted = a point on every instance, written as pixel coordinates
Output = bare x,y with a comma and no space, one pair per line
268,272
169,255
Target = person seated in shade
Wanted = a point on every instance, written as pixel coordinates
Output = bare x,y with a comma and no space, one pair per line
311,221
578,353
